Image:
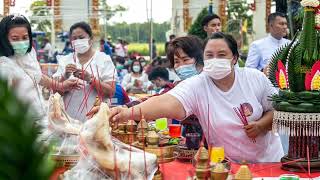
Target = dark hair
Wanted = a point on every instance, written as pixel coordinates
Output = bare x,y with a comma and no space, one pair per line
231,42
191,45
8,23
159,72
274,15
120,60
172,36
131,66
102,41
83,25
208,18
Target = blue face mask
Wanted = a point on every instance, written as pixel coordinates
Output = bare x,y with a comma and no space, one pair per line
120,67
186,71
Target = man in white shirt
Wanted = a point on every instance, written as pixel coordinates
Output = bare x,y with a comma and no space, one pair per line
261,50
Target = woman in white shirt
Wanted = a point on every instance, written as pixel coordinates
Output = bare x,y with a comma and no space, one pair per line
19,65
215,93
136,80
95,70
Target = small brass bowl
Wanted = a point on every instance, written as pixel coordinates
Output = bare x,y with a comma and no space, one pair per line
131,126
219,175
153,141
122,127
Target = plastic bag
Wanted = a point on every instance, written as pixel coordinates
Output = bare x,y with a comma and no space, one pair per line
104,157
62,131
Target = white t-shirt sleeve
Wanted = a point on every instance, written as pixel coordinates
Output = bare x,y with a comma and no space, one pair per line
185,93
266,90
107,71
62,60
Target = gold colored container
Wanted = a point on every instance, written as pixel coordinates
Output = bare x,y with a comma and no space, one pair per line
131,126
122,127
243,173
143,124
164,154
141,139
153,139
127,138
219,175
202,166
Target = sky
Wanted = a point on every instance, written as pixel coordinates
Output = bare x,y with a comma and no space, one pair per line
136,9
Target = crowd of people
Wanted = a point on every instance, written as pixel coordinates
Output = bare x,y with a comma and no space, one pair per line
199,82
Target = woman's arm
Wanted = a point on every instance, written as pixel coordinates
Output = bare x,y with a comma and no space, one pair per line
58,85
165,105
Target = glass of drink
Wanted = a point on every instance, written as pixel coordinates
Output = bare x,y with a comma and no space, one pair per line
216,154
161,124
193,140
175,130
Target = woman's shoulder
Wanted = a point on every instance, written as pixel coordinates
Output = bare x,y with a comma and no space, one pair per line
102,56
254,77
6,61
65,59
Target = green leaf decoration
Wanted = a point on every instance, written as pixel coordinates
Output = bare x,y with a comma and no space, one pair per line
295,77
280,54
21,155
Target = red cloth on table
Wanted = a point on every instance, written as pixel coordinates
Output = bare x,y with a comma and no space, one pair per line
177,170
180,171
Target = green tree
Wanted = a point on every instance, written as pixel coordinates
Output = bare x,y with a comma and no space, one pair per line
108,11
196,28
138,32
237,16
41,12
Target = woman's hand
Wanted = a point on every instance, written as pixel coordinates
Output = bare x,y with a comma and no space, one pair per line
70,84
83,74
117,114
137,83
71,68
254,129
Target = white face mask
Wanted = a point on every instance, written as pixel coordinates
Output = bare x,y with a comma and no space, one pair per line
81,45
136,69
217,68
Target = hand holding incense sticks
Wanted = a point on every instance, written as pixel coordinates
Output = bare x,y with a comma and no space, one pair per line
240,113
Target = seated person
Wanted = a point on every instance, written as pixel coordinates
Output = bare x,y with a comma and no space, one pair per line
160,78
